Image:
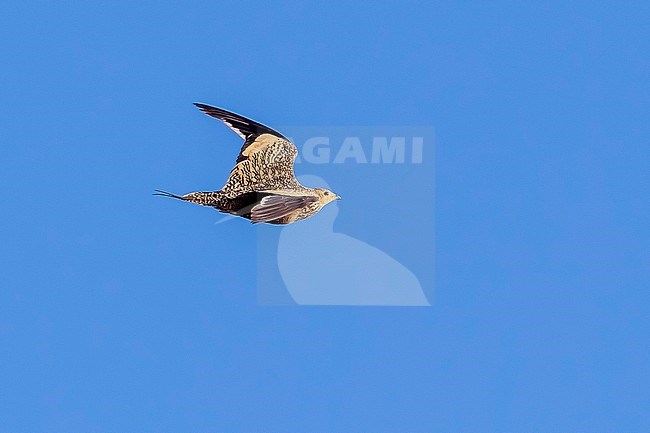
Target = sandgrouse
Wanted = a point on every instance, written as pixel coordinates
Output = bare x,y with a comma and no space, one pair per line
262,186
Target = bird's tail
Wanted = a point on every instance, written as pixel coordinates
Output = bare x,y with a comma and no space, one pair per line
208,198
167,194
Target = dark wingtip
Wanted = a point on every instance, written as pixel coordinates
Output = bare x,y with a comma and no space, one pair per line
201,106
210,110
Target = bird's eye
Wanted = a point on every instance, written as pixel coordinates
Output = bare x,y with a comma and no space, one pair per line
327,193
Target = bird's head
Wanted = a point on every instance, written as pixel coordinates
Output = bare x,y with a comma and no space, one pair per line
325,196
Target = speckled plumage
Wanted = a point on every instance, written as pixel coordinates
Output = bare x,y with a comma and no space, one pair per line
262,185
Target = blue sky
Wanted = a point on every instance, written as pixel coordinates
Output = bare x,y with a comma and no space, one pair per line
122,312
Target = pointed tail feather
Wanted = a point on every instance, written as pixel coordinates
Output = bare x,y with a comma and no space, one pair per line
167,194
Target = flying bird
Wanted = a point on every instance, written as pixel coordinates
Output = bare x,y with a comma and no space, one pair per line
262,186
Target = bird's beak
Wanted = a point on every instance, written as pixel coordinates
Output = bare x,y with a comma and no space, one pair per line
338,197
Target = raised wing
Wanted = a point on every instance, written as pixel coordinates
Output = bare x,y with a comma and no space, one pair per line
274,207
247,129
265,161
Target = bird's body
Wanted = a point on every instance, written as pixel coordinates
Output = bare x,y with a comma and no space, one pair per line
262,186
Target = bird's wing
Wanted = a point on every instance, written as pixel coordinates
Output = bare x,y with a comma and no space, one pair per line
247,129
265,161
273,207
